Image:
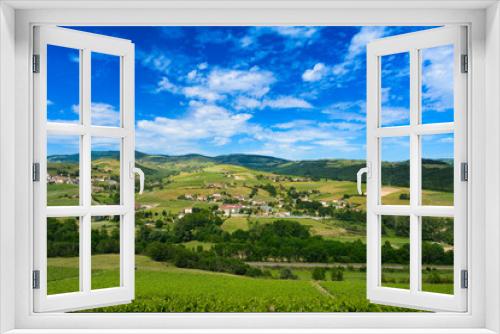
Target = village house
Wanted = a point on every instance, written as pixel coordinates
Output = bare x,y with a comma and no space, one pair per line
229,209
217,197
325,204
266,209
188,196
217,185
259,202
201,198
239,197
188,210
284,214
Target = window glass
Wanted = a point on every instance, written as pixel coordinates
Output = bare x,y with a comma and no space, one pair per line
437,254
105,107
437,169
63,255
395,252
437,84
395,157
105,173
63,170
395,89
105,262
63,85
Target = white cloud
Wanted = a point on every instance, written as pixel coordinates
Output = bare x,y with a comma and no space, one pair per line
395,116
192,75
156,61
254,82
245,140
203,66
246,41
206,122
50,103
281,102
105,144
357,48
104,114
294,124
437,78
201,93
285,102
220,141
316,73
363,37
243,102
166,85
348,111
344,126
446,140
293,31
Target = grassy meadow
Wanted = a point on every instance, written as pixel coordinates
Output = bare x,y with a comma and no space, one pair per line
161,287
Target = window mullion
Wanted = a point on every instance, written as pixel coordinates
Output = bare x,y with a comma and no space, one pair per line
414,170
85,112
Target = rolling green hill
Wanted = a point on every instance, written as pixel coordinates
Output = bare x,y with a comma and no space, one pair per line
437,174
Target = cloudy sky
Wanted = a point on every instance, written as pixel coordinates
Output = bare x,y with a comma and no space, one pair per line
290,92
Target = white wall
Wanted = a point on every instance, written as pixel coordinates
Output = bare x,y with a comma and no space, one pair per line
492,146
7,161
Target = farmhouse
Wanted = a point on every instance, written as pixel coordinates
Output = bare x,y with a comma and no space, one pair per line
188,210
229,209
188,196
201,198
325,204
259,202
217,197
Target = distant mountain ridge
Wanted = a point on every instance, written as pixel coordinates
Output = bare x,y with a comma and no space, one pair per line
437,173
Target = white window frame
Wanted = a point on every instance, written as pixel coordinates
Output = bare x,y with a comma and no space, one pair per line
413,43
483,101
85,43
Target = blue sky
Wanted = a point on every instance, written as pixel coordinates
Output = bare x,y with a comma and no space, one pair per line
291,92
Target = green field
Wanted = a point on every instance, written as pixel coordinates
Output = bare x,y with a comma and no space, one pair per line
161,287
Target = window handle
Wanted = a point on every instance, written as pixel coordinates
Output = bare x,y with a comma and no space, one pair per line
133,171
368,171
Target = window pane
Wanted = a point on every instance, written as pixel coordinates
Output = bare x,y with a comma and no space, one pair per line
105,92
437,254
63,170
395,231
395,157
105,174
105,262
63,84
63,249
437,169
395,89
437,84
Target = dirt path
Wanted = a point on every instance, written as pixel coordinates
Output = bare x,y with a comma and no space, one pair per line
321,289
387,191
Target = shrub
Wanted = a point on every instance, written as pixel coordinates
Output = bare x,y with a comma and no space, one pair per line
337,274
319,274
286,273
159,223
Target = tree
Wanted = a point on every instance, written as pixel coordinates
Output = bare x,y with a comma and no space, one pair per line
319,274
337,274
159,223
